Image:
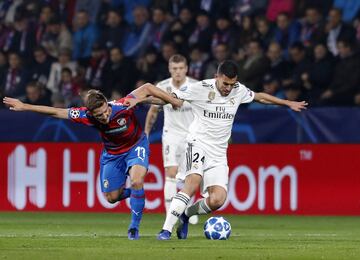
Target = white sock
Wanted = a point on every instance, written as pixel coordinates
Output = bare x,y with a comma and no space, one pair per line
198,208
170,191
177,207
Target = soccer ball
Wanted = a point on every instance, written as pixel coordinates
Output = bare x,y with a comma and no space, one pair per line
217,228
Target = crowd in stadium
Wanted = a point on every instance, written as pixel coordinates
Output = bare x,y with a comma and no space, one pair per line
53,51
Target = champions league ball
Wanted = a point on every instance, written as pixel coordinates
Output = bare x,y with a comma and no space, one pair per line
217,228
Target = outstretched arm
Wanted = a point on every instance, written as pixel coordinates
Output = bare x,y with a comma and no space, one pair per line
17,105
143,93
268,99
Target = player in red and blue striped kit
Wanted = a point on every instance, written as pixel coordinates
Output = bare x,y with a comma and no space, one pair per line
126,148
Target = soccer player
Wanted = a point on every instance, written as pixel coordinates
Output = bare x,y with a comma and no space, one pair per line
176,124
126,147
214,104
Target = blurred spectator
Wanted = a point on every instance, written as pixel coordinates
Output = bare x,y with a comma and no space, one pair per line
336,30
241,8
8,10
40,70
293,92
84,37
14,78
253,66
286,32
129,6
56,37
114,31
20,39
150,66
96,67
35,95
119,74
350,9
302,5
197,63
202,34
247,32
264,32
279,67
58,100
214,7
56,67
136,38
270,85
158,27
174,7
181,28
346,78
299,64
91,7
68,88
220,52
357,28
3,63
276,7
312,27
224,32
168,49
319,75
41,24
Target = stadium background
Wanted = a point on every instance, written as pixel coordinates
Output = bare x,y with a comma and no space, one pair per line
281,162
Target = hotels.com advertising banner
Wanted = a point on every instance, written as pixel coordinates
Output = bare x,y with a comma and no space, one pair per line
264,179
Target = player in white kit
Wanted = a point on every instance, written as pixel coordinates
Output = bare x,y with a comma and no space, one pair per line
176,125
214,104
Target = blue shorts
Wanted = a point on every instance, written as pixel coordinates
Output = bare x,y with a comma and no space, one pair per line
114,168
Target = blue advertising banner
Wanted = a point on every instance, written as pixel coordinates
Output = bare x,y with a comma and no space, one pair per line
316,125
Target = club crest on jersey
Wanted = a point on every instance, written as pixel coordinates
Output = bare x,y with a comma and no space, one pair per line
211,95
168,90
232,101
106,184
121,121
74,113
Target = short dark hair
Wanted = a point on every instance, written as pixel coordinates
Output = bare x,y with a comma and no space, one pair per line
66,70
297,45
177,58
94,99
228,68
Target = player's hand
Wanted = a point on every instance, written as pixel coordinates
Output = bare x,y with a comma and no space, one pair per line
177,103
131,102
298,106
14,104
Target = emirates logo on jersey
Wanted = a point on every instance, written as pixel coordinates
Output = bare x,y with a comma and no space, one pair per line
121,121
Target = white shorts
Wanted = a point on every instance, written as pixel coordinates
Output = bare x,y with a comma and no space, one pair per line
214,172
173,150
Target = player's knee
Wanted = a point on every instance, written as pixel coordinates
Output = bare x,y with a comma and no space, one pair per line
137,183
111,197
216,201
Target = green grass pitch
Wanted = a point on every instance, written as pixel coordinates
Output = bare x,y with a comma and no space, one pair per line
103,236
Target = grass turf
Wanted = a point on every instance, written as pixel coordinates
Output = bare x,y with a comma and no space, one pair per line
103,236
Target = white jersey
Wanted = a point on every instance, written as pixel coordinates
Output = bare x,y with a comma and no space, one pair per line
176,122
213,114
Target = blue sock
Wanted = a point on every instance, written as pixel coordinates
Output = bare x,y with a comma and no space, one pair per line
137,203
125,194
